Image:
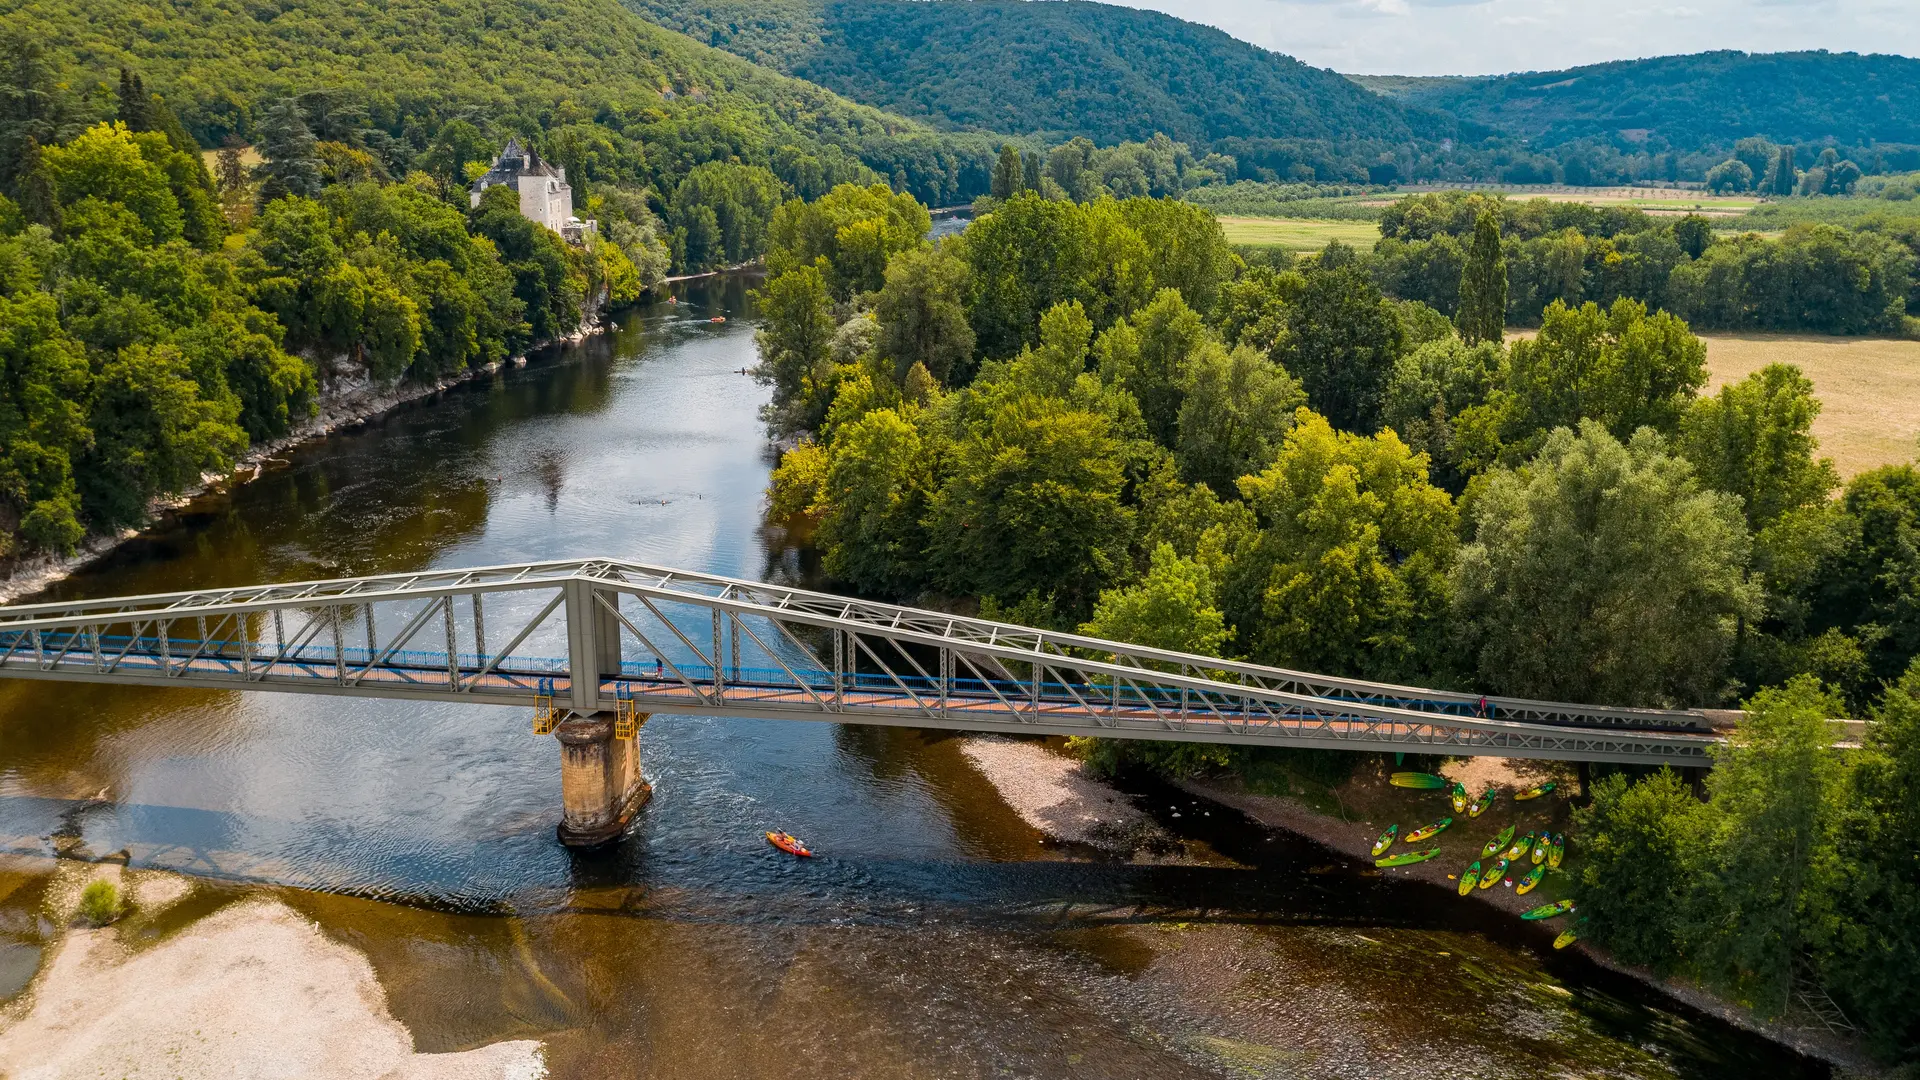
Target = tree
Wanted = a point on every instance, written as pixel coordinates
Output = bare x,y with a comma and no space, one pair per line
1349,571
1782,176
1776,792
1694,234
796,328
1028,255
106,163
1754,439
1867,960
1604,573
1622,367
291,166
135,106
1147,356
1237,408
1431,387
1007,174
1482,315
1730,175
922,315
1341,343
1185,248
154,434
1639,845
855,229
44,381
875,495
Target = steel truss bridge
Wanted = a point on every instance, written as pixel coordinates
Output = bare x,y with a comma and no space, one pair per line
600,635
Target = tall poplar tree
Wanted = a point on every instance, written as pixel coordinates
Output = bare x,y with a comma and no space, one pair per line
1784,175
1006,174
1482,315
135,107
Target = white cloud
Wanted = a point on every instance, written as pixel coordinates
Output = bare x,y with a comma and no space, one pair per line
1476,37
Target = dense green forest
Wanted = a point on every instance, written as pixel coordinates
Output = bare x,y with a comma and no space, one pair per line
436,84
1095,415
1070,68
1696,100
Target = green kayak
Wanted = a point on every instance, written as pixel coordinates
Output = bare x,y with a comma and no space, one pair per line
1428,832
1558,851
1419,781
1520,848
1532,879
1540,848
1534,792
1469,879
1494,845
1548,911
1492,877
1386,839
1458,793
1406,858
1482,804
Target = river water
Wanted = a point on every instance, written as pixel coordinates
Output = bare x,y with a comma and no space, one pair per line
938,935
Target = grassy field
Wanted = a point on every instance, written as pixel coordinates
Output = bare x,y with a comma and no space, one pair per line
1298,234
1869,390
1668,201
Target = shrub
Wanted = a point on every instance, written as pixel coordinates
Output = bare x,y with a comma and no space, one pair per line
100,903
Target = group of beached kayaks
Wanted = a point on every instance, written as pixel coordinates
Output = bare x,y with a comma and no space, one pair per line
1535,853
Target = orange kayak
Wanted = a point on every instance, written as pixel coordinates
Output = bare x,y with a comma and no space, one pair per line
789,843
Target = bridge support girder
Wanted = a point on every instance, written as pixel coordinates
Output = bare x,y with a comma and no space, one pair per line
601,788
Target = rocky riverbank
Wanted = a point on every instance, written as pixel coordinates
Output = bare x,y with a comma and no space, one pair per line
1053,793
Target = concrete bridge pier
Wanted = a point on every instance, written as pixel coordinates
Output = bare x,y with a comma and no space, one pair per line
601,788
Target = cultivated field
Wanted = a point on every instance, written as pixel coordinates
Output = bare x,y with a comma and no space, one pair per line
1869,390
1298,234
1671,201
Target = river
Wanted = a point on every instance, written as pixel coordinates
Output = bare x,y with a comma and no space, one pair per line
937,935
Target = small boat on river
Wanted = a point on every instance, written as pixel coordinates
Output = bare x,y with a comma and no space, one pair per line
790,844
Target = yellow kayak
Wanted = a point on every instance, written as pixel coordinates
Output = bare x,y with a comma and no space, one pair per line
1519,849
1540,848
1427,832
1469,879
1458,793
1557,851
1494,845
1534,792
1386,840
1482,804
1566,938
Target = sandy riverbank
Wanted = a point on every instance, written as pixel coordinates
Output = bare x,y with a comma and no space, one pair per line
350,403
252,990
1052,793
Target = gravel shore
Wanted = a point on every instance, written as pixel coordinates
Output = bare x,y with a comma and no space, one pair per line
1053,793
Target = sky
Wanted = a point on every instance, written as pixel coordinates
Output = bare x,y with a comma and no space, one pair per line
1484,37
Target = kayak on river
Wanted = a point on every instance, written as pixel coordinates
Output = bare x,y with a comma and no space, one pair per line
1469,879
1419,781
1540,849
1520,848
1492,877
1427,832
1386,839
1494,845
1548,911
1527,883
1459,795
1482,804
1406,858
1534,792
789,843
1557,850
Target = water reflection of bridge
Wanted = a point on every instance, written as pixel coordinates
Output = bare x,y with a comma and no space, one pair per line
604,643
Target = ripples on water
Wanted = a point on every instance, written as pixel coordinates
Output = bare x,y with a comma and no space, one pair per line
938,935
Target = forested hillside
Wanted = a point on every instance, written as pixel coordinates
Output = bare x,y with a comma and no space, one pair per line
407,67
1070,68
1700,100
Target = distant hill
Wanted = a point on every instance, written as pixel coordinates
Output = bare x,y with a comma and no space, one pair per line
411,65
1059,68
1704,99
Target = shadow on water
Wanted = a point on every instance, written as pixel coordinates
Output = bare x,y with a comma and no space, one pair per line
937,935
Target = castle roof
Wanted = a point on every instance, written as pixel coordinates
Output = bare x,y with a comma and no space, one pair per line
514,162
